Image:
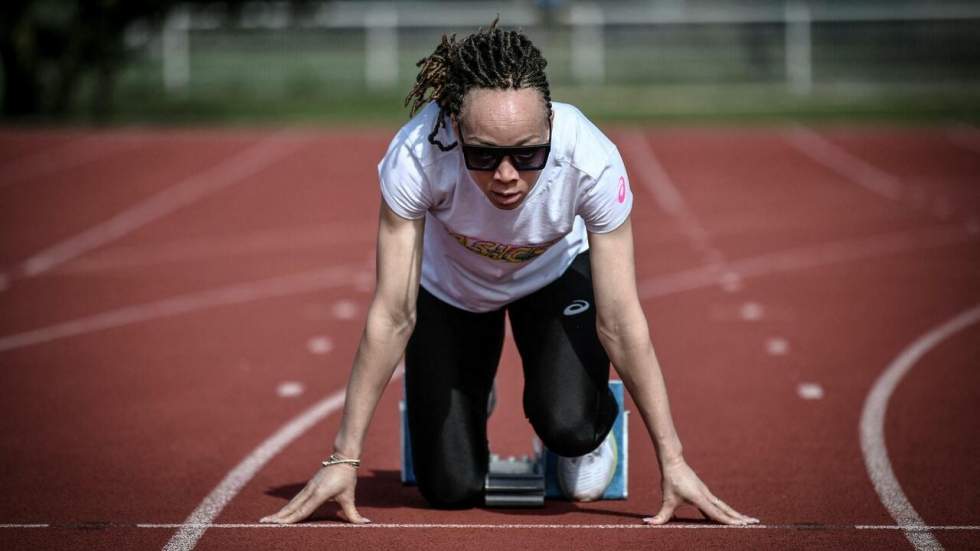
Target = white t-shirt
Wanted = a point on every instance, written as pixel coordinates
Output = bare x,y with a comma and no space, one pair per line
478,257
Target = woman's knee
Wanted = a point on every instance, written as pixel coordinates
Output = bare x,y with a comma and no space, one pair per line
567,437
452,490
572,432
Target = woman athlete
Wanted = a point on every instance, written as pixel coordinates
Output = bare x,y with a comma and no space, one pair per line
496,199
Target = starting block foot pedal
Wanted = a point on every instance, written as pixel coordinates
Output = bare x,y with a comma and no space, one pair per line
514,483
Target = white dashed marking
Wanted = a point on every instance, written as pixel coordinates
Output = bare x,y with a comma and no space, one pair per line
810,391
751,311
319,345
345,309
777,346
731,282
289,389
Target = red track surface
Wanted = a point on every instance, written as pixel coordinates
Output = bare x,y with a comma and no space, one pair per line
111,422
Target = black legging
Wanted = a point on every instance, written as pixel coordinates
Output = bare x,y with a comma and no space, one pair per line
450,363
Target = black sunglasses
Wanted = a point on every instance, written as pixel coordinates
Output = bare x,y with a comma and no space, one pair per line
523,157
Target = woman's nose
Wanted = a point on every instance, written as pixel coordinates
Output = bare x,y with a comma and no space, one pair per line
506,171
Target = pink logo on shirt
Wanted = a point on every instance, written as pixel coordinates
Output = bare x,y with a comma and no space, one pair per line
622,189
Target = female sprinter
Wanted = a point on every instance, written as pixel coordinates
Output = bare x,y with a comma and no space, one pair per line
496,199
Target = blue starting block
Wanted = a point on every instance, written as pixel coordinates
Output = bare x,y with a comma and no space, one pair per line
529,480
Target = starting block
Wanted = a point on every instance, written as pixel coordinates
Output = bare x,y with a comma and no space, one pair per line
528,480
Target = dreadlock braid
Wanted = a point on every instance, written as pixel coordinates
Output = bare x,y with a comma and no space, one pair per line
490,58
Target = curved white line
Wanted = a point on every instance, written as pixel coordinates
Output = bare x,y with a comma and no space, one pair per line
872,429
209,509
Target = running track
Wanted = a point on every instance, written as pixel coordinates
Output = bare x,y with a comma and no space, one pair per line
180,310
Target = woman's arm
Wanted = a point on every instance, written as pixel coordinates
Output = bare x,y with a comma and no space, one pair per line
390,321
623,331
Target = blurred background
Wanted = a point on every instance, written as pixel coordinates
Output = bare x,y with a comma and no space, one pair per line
161,61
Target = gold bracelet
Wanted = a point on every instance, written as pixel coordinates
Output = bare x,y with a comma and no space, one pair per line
338,460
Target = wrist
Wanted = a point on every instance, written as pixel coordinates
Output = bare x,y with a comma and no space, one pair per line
346,450
670,457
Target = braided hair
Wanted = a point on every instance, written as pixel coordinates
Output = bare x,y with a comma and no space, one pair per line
490,58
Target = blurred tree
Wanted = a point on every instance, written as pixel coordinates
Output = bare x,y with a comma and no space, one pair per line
48,46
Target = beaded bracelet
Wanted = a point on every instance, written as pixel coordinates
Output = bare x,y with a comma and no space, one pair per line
338,460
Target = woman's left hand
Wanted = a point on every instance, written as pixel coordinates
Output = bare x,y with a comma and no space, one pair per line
681,485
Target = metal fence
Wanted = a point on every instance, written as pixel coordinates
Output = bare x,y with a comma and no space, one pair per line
288,49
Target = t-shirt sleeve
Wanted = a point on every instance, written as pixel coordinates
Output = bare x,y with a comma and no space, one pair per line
606,201
403,183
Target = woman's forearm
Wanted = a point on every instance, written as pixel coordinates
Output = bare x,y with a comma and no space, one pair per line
631,352
382,345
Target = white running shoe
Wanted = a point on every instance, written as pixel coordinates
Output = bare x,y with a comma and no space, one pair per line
585,478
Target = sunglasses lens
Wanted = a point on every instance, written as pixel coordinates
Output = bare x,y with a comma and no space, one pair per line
479,158
530,159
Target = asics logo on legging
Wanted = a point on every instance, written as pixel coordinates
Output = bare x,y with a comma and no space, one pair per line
576,307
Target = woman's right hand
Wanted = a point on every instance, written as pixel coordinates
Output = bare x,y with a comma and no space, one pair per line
334,482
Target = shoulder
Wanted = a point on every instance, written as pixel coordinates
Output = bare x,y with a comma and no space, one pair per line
581,144
413,137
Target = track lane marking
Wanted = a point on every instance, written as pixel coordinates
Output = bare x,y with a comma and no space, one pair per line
844,163
276,241
808,257
656,180
201,519
533,526
872,428
229,171
650,288
240,293
72,153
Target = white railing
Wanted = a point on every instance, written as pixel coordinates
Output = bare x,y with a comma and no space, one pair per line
587,23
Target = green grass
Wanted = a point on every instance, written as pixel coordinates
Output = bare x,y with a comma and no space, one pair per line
311,103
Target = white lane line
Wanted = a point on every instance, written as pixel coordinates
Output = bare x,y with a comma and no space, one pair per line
64,156
872,428
731,282
851,167
965,136
182,304
686,280
655,178
809,391
212,505
658,182
808,257
334,525
289,389
230,171
273,241
577,526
